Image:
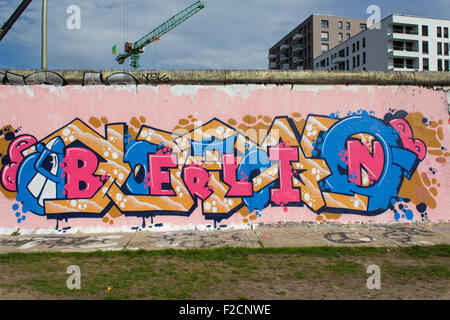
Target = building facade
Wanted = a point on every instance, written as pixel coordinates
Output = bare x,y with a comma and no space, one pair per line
398,43
314,36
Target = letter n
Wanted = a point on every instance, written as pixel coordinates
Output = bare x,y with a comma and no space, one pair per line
360,156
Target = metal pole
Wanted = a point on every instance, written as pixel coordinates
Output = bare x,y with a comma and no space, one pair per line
44,35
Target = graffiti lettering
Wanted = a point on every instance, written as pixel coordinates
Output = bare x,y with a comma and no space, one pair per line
155,77
341,168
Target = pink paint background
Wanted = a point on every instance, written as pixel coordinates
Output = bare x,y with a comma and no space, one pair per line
40,110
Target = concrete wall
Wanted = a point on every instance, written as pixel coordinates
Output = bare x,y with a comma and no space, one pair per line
216,149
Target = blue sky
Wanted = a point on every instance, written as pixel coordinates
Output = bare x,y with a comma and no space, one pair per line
227,34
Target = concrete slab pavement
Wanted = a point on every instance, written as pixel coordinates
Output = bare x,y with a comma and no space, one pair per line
279,235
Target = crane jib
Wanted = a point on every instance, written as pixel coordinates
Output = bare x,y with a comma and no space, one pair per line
169,25
138,47
10,22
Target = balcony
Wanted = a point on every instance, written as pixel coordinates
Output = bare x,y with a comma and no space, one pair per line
400,33
297,47
403,36
283,57
272,65
296,59
403,52
284,47
285,66
300,68
338,60
400,67
402,64
297,36
272,56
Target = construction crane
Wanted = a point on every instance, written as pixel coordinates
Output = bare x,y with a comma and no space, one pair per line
9,23
134,50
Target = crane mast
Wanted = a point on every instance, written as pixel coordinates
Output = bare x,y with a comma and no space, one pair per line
9,23
134,50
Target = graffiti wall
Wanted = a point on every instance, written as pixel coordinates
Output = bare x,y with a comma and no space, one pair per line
96,158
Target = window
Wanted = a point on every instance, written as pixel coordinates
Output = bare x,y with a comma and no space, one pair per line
439,48
354,47
398,45
347,51
398,63
410,30
328,62
446,49
439,32
425,64
425,31
445,32
347,25
325,47
324,23
409,46
364,42
340,37
354,62
439,64
446,65
397,29
357,60
340,24
357,46
324,36
409,63
425,46
348,36
348,65
362,26
364,58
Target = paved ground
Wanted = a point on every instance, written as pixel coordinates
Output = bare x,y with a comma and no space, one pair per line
282,235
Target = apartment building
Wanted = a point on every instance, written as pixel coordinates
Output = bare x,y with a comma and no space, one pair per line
314,36
401,43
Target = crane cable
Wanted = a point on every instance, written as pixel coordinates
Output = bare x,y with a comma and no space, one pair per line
127,18
125,24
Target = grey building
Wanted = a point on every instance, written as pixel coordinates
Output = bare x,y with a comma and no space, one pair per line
314,36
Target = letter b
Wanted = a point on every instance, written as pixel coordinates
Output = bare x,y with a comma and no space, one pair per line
81,165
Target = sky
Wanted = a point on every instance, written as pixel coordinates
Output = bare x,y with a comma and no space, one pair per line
226,34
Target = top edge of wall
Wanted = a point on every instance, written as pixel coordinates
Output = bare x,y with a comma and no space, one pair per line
224,77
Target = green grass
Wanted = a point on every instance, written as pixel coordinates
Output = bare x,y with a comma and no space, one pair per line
219,253
224,272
